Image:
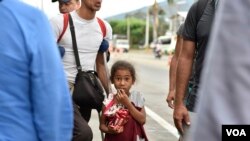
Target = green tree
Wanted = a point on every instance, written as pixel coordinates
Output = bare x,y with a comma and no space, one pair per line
137,29
171,2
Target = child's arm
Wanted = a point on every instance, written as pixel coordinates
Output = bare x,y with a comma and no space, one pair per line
139,116
103,127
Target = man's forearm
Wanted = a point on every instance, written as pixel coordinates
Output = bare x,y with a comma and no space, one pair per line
184,70
172,73
173,65
102,71
103,76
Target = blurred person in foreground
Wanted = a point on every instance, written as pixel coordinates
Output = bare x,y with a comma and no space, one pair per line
35,103
66,6
190,63
225,84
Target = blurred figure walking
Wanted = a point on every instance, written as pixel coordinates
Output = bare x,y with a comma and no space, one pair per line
35,103
66,6
195,41
225,84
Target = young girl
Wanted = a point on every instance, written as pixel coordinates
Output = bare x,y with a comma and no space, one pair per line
123,113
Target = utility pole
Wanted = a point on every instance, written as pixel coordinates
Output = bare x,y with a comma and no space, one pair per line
147,30
128,29
156,20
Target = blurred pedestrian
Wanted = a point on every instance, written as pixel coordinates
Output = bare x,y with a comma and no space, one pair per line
89,37
123,113
195,38
173,66
35,103
225,84
66,6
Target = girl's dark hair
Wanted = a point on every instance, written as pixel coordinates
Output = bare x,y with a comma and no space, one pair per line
122,65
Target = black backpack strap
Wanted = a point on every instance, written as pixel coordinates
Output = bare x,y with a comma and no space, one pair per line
73,36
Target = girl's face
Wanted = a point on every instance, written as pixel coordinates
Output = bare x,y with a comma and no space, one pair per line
123,80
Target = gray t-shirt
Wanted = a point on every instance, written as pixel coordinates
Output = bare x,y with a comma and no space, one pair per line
180,30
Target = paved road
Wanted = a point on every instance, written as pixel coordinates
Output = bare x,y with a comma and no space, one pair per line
152,80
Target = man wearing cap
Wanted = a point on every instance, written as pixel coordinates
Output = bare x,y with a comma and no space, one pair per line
66,6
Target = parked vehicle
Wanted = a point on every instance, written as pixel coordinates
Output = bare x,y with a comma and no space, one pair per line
164,43
167,43
121,43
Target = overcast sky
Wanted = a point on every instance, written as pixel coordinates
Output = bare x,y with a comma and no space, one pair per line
109,7
113,7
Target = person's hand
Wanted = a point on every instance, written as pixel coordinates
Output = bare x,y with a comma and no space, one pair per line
115,129
181,117
122,97
170,99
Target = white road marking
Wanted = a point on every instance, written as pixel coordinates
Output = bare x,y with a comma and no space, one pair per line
162,122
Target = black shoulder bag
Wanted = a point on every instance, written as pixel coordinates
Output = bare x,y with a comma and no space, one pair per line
88,92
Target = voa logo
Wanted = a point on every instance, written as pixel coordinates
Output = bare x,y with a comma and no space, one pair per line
236,132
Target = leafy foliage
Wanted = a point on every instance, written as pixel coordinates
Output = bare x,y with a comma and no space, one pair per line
171,2
138,28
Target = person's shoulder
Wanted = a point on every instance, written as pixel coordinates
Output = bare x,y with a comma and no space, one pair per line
136,95
180,30
137,98
22,9
108,28
193,7
57,17
105,22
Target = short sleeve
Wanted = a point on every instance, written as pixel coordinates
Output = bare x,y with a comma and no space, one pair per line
180,30
109,31
56,23
189,31
137,98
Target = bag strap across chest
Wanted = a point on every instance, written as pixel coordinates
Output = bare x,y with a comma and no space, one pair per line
72,31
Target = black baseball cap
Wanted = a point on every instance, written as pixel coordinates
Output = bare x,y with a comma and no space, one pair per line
60,0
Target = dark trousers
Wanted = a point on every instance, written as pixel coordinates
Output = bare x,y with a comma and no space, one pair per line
81,131
86,113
